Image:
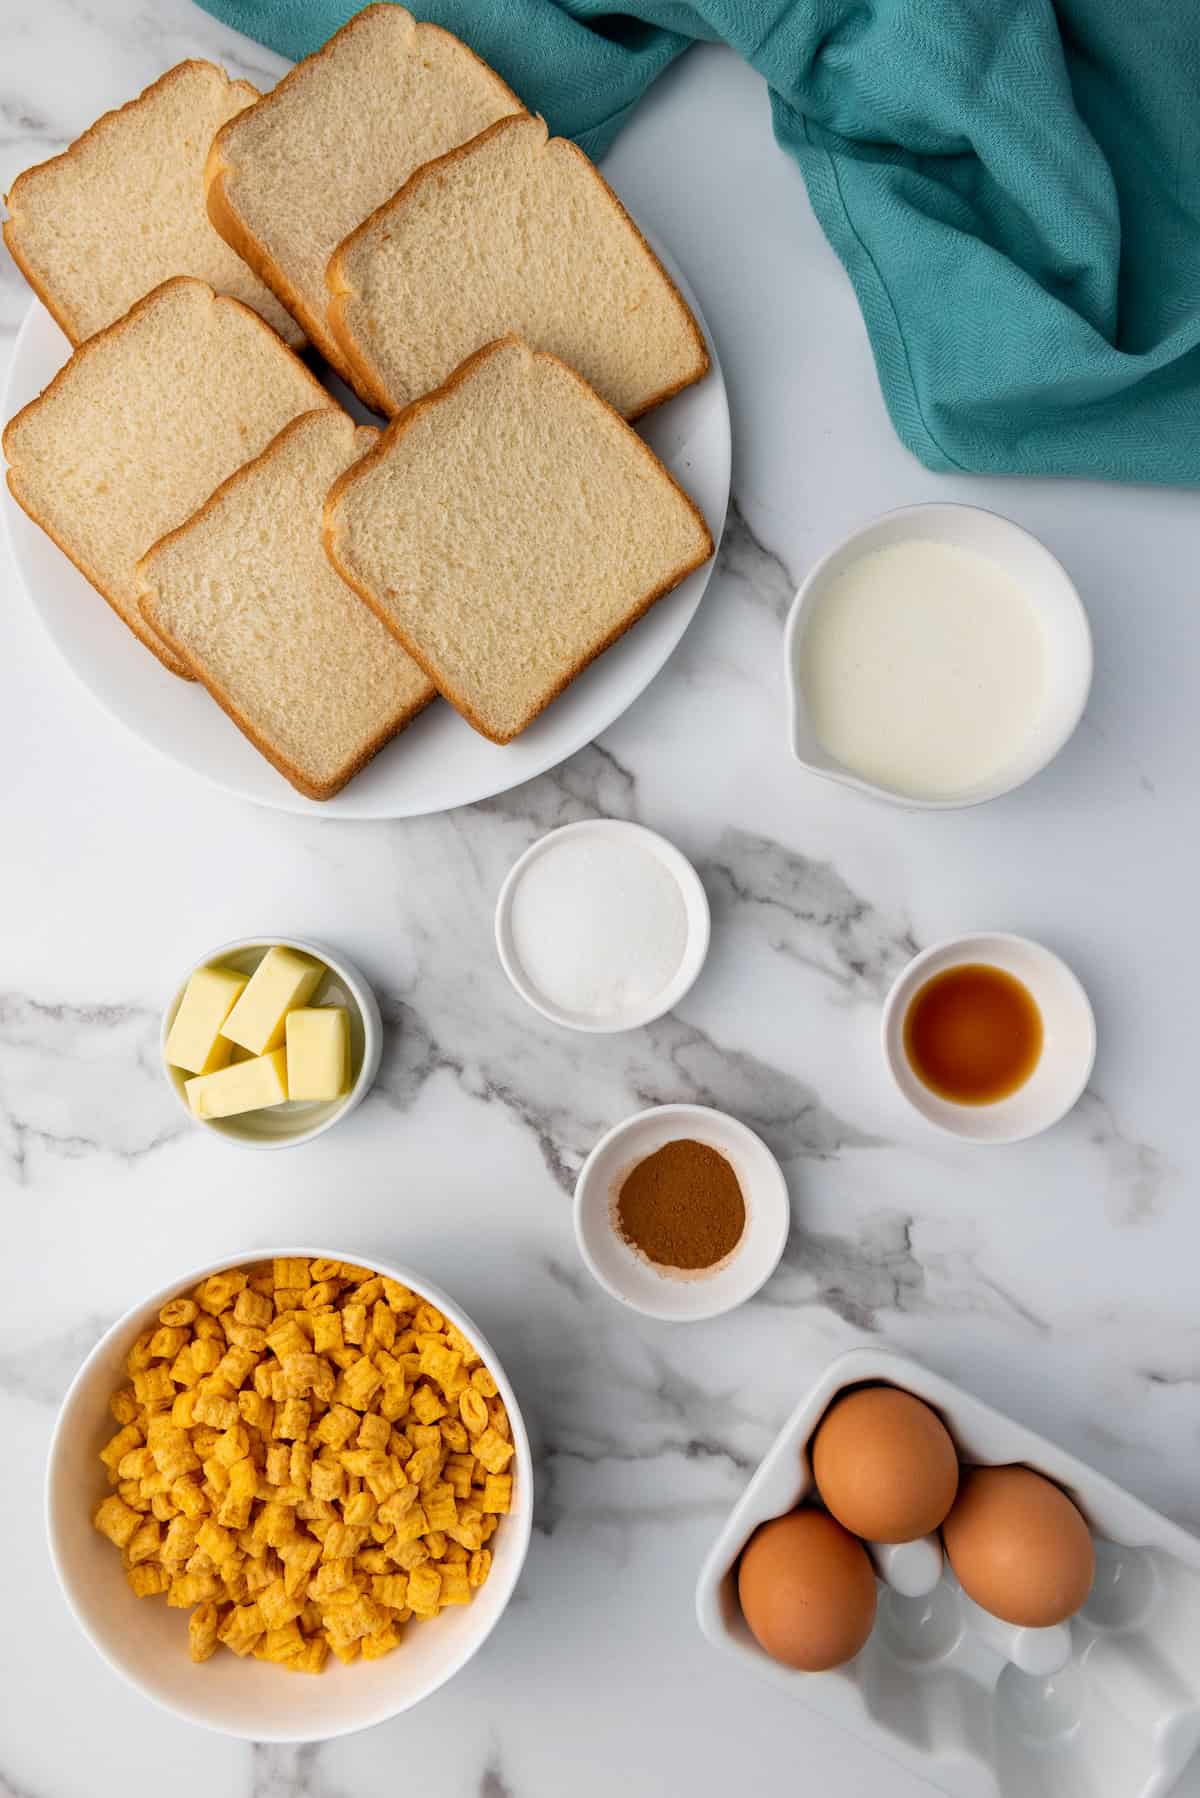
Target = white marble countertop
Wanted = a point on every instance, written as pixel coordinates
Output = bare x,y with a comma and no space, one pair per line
1056,1279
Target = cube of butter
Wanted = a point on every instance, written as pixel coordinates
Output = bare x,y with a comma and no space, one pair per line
318,1052
247,1086
194,1042
282,980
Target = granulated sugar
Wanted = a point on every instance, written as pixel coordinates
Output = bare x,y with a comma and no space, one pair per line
599,925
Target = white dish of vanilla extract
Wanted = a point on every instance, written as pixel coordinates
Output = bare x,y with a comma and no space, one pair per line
938,658
602,925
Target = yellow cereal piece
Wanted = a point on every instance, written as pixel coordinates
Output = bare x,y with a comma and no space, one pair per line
218,1413
374,1432
202,1631
178,1312
143,1544
283,1643
306,1372
396,1400
235,1365
216,1541
440,1363
241,1628
148,1578
188,1497
398,1298
409,1554
424,1589
497,1493
345,1651
360,1383
116,1520
479,1566
456,1472
426,1405
376,1646
167,1341
456,1587
327,1331
253,1308
468,1531
441,1507
472,1408
383,1324
390,1589
179,1541
328,1479
361,1509
183,1411
292,1421
233,1446
153,1385
454,1435
123,1405
493,1451
312,1656
300,1466
205,1356
136,1464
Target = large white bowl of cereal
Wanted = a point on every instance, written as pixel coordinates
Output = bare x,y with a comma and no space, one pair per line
283,1466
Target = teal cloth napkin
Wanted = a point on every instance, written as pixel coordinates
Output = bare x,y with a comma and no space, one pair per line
1012,185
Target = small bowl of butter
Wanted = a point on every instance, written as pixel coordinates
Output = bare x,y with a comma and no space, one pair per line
938,658
271,1041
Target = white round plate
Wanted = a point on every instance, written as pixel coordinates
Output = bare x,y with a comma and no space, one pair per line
437,763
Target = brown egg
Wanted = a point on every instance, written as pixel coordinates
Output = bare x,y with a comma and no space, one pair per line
807,1591
884,1464
1018,1546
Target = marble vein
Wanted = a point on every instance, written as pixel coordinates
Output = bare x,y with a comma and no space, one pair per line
40,1372
808,912
759,571
80,1079
1139,1175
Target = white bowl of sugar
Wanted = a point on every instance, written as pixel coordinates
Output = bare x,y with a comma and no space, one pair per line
602,926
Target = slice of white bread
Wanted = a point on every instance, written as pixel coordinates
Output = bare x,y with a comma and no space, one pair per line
122,210
290,178
143,422
245,594
515,231
508,528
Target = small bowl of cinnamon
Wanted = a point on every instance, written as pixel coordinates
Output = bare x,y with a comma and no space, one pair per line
681,1212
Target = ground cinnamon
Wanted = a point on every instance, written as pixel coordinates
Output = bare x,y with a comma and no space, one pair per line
682,1206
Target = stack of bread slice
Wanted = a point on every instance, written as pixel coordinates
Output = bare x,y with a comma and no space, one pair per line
471,277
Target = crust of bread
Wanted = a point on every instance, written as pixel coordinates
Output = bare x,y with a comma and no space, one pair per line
166,654
229,223
198,672
402,422
341,289
68,325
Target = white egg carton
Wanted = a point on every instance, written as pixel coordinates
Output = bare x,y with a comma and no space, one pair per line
1107,1706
